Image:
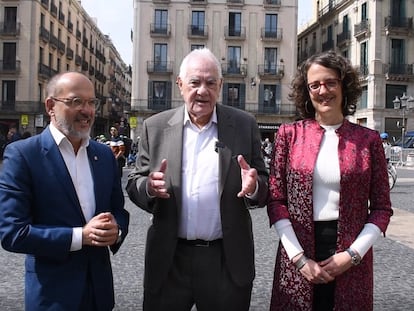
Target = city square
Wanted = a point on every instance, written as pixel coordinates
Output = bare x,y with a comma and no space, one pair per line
393,258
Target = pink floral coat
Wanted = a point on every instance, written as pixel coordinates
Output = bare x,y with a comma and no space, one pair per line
364,197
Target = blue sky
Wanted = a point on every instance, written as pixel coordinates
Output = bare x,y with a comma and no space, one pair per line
115,18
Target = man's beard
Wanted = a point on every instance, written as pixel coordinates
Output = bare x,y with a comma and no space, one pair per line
70,131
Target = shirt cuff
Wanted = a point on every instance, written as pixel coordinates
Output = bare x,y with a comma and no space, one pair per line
76,239
253,196
288,237
366,239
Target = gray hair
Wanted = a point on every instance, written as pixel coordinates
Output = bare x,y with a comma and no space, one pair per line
202,53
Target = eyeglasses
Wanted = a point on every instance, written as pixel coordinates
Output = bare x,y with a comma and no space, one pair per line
330,84
76,102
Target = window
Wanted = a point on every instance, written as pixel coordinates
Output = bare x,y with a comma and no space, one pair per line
161,21
234,24
391,92
9,56
234,94
10,16
364,98
8,98
159,95
397,56
234,57
160,57
270,60
364,58
196,46
364,12
269,98
197,23
271,25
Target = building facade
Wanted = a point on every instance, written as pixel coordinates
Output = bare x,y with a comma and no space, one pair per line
255,41
378,38
43,37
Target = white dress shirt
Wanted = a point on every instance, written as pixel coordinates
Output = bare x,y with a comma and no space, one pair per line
200,212
81,175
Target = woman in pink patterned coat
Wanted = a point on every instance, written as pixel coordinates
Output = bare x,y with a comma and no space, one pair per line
328,194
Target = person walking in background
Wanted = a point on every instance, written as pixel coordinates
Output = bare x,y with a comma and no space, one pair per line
118,148
329,197
386,145
62,204
199,169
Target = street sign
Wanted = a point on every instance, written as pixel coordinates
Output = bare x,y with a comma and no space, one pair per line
133,122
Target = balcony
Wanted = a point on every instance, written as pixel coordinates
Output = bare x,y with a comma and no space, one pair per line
274,34
160,67
271,71
53,41
91,70
235,3
10,29
398,72
85,42
271,4
78,60
44,34
70,26
160,30
232,33
9,66
61,47
69,53
198,2
343,39
45,3
197,32
78,34
46,72
61,18
233,69
85,65
327,45
363,70
362,30
401,26
53,9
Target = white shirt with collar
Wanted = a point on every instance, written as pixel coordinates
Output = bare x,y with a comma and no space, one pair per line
81,175
200,213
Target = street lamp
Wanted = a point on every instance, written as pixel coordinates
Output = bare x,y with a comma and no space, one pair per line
405,104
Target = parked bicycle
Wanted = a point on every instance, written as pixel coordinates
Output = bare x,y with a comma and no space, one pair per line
392,175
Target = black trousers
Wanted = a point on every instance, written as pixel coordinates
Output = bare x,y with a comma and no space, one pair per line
199,276
325,246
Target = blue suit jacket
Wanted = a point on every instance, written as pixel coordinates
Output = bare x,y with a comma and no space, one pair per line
39,208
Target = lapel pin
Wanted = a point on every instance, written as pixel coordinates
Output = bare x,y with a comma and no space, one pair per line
95,158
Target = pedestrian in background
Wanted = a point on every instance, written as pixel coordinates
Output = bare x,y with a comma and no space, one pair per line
386,145
329,196
118,148
62,204
198,170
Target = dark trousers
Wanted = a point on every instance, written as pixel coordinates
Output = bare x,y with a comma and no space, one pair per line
199,276
325,246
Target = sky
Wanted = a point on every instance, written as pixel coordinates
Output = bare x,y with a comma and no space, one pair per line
115,18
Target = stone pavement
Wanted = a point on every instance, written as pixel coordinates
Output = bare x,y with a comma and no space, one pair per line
394,257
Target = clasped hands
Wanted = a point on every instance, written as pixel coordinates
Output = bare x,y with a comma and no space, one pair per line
101,230
156,182
327,270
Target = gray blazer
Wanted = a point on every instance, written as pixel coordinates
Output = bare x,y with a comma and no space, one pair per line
162,137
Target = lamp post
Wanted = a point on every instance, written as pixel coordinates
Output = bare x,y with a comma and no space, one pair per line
405,104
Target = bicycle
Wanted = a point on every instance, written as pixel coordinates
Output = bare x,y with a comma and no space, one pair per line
392,175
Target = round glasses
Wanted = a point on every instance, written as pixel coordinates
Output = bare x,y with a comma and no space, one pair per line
330,84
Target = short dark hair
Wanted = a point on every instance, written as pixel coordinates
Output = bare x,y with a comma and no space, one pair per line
351,87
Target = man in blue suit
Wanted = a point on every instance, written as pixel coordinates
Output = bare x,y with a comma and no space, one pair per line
61,203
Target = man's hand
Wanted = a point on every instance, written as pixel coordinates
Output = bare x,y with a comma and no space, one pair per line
249,177
156,182
101,230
